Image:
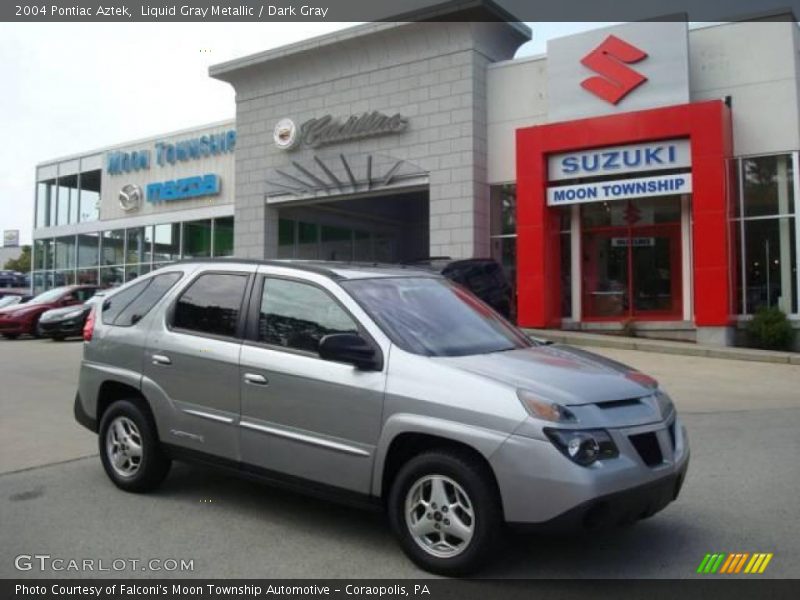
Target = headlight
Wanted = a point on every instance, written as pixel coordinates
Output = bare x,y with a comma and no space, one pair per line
73,314
542,409
583,446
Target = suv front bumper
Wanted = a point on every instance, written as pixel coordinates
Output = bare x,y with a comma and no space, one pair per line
542,489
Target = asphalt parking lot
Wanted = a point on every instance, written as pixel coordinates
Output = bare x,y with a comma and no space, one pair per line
741,494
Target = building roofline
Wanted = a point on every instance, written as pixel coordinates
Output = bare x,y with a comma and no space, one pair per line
431,13
104,149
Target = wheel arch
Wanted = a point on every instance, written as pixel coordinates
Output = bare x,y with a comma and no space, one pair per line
111,391
406,436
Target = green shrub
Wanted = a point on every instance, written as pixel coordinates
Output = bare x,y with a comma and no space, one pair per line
770,329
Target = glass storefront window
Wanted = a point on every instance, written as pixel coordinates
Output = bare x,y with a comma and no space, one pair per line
113,247
111,276
362,246
89,196
631,259
67,200
197,239
88,249
42,254
642,211
504,209
307,240
767,185
65,252
138,248
286,229
766,235
87,277
64,278
223,236
503,228
336,243
770,264
45,197
167,238
134,271
566,274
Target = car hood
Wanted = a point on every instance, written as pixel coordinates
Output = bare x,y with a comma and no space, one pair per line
17,307
58,313
557,373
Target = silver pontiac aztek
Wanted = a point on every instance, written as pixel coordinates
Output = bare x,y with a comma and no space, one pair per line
374,383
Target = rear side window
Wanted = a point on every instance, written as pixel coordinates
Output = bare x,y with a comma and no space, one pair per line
147,299
117,302
127,307
211,304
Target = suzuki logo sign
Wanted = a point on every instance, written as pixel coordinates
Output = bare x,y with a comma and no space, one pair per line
626,67
615,78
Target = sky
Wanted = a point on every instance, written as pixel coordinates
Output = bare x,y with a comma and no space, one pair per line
69,88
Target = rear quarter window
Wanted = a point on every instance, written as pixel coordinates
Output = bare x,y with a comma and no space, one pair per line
129,306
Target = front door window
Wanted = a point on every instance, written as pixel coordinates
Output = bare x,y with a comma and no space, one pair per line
631,259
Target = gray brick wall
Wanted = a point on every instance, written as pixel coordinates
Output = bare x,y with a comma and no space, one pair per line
433,73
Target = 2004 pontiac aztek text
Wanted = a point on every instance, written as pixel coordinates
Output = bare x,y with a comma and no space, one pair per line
381,383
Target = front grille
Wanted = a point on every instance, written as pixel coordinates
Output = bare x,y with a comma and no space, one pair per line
672,434
646,445
619,403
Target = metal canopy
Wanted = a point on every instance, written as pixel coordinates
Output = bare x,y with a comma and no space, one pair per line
339,174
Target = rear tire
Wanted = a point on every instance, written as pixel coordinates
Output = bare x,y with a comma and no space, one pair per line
58,338
129,448
445,511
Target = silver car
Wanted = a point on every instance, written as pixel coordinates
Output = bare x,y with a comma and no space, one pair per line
383,385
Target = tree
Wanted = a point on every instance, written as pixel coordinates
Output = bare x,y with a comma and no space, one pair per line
22,263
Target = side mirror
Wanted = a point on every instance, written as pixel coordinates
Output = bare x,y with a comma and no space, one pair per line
350,348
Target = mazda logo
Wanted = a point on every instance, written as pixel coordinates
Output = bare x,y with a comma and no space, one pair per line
130,197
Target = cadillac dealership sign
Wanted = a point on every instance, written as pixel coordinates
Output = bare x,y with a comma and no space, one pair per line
329,130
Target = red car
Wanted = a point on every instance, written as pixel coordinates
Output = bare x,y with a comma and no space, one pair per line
23,318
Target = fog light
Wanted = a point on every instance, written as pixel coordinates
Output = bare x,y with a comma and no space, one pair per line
583,447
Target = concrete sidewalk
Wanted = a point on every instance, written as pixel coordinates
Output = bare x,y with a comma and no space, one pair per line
580,338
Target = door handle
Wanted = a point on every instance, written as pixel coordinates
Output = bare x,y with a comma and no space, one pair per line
255,379
160,359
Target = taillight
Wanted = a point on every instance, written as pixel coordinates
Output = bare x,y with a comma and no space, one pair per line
88,327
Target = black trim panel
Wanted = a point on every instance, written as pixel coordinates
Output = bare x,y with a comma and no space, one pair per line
275,478
81,416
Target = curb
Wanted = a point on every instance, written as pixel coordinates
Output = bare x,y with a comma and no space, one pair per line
664,346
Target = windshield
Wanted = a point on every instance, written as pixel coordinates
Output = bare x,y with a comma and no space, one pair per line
48,296
434,317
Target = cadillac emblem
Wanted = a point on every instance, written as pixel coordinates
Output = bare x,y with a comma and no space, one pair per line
285,134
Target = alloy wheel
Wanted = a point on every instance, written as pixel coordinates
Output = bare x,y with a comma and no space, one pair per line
440,516
124,446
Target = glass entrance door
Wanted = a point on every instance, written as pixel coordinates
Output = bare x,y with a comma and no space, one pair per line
632,270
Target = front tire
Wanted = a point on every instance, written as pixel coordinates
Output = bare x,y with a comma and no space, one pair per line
445,511
129,448
11,336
